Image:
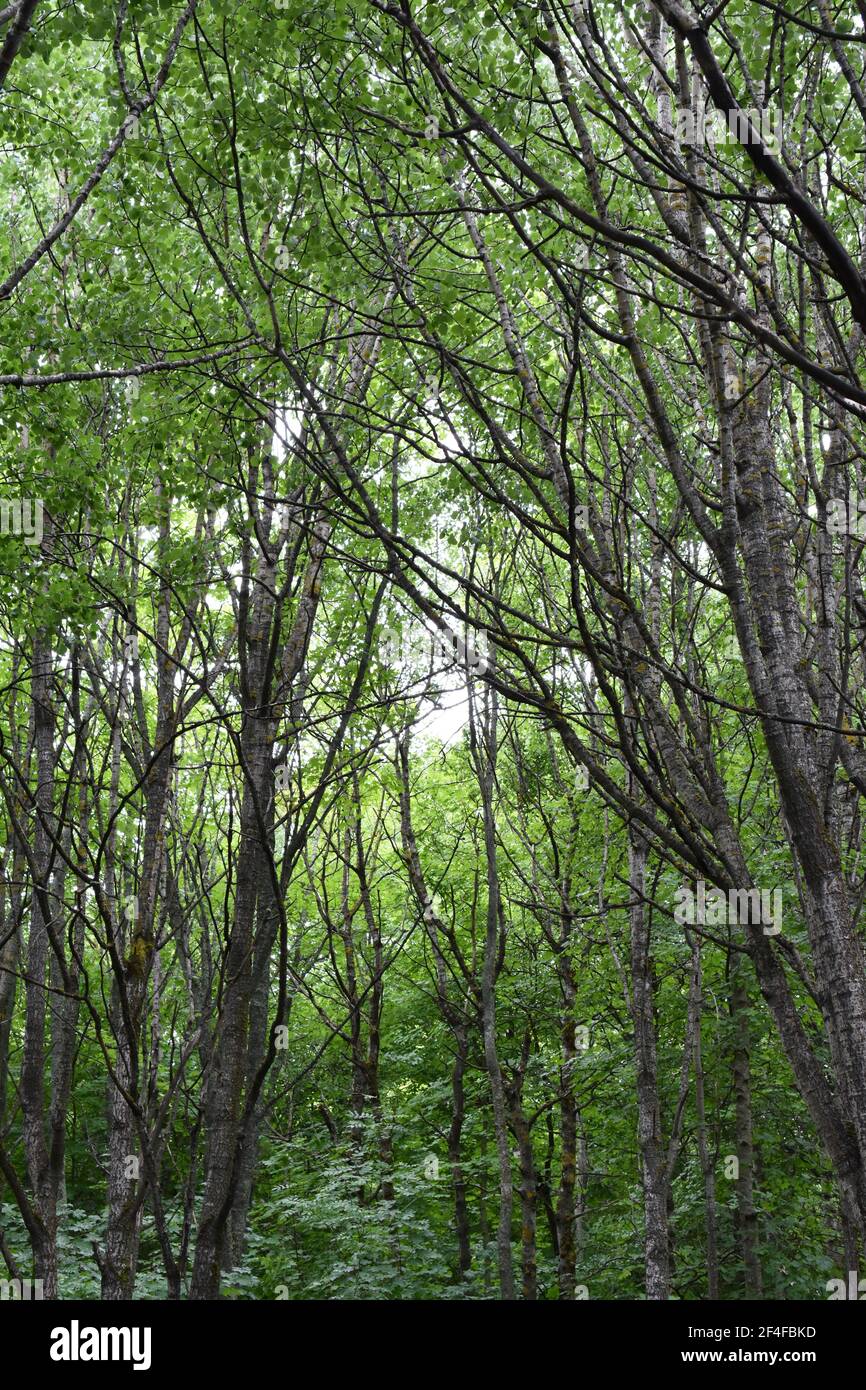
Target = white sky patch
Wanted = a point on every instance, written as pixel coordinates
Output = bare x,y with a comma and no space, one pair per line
447,718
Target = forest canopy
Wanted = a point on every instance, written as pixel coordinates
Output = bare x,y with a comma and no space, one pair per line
432,620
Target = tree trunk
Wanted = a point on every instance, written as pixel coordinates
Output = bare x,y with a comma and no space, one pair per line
745,1155
652,1149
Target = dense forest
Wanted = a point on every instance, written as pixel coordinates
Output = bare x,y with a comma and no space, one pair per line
432,649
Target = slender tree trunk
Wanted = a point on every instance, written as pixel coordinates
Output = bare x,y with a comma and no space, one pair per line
707,1158
10,948
566,1225
528,1198
652,1149
451,1013
455,1135
259,1011
745,1155
484,772
42,1164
